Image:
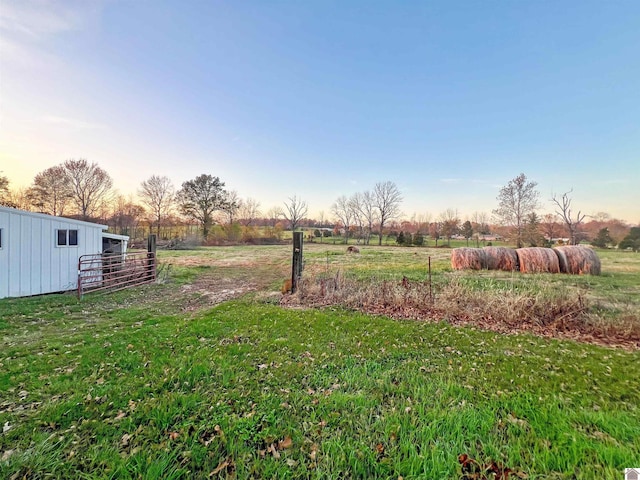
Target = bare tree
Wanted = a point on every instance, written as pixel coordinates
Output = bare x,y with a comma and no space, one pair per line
249,211
125,215
90,186
516,200
564,212
480,222
422,223
356,204
601,217
387,200
274,214
50,192
200,198
450,223
233,203
550,227
365,203
158,195
435,231
16,198
295,211
342,210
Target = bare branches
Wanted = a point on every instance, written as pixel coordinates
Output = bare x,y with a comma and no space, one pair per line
450,223
387,200
563,210
90,186
516,200
342,209
295,211
249,211
51,191
158,194
233,203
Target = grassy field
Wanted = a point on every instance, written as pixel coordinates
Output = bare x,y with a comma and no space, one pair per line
207,376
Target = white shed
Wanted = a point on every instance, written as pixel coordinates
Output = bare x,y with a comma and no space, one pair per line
39,253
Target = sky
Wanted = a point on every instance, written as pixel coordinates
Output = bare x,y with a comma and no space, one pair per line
448,99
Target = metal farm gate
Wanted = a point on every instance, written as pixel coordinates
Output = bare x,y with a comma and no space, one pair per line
115,271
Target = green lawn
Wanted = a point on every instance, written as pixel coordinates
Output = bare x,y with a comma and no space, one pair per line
157,383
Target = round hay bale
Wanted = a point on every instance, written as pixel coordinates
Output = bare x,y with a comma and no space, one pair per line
353,249
538,260
578,260
501,258
467,258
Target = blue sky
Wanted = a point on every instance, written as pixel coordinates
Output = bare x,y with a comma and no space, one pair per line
450,100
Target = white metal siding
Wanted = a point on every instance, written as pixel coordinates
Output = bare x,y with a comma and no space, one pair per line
4,255
31,263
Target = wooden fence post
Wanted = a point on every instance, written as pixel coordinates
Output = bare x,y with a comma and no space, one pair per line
296,264
151,256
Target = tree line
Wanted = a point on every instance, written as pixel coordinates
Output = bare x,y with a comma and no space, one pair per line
204,209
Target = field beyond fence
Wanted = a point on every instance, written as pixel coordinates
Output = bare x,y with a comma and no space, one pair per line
213,373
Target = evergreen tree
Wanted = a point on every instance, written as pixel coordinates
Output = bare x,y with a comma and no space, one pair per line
632,240
467,231
603,239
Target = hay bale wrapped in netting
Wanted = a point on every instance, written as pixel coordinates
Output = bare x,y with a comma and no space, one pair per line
578,260
467,258
500,258
538,260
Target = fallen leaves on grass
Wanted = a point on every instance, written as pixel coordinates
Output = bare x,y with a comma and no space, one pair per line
274,448
124,441
474,470
285,443
226,465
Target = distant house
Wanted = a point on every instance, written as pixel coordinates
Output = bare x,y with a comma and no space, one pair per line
39,253
489,237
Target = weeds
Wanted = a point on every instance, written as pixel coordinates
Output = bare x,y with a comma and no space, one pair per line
538,307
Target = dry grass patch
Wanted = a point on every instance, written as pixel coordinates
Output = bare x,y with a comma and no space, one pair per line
546,310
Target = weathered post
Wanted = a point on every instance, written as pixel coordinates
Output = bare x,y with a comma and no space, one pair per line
430,285
151,256
296,264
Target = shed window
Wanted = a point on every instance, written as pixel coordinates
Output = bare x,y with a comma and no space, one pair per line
73,237
67,238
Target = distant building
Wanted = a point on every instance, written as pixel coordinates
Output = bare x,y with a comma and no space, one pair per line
489,237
